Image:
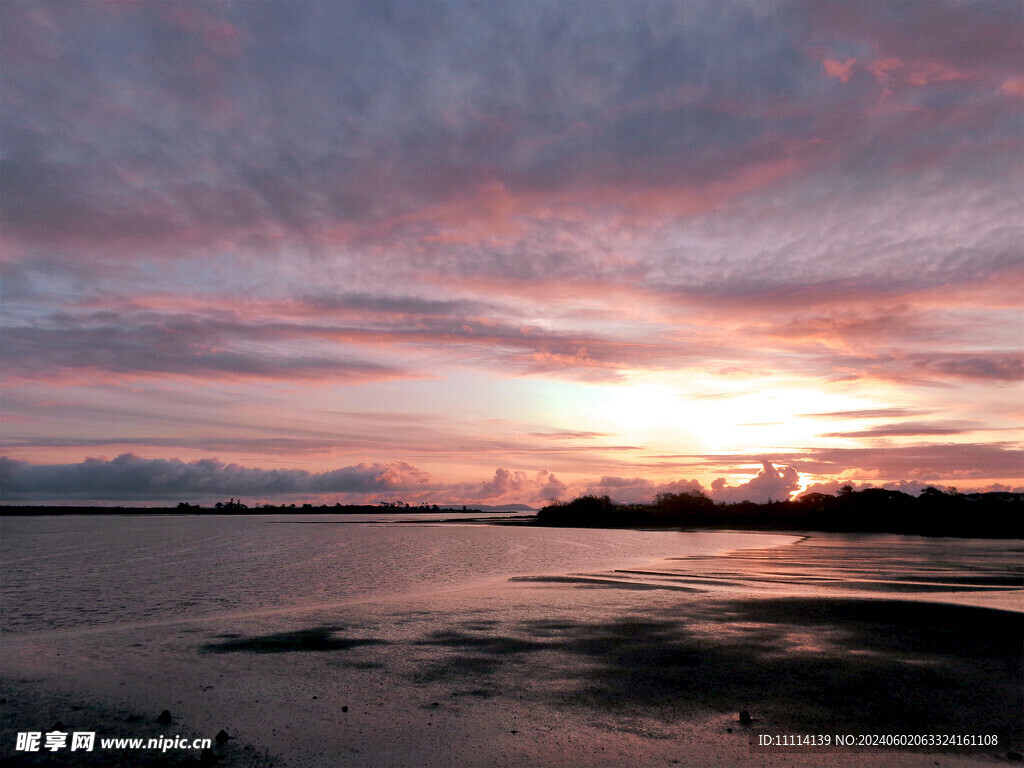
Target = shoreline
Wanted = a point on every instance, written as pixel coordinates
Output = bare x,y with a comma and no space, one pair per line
22,510
485,517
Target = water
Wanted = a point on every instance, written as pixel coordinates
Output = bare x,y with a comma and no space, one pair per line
81,572
325,641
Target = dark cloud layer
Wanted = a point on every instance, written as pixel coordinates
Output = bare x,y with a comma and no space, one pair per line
133,477
130,477
148,349
224,343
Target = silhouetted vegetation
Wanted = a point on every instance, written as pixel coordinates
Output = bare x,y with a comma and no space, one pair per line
230,506
873,510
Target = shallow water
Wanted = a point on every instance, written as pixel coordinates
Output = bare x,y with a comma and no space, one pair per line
76,572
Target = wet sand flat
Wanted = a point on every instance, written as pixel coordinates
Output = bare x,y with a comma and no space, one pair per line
645,666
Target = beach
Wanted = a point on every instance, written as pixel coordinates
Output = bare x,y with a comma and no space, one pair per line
647,664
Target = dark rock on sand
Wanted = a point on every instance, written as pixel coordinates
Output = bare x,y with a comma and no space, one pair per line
745,717
344,709
221,738
165,717
207,759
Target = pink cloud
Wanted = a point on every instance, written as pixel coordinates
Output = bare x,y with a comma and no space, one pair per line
517,486
891,71
1014,86
636,490
768,484
843,70
493,213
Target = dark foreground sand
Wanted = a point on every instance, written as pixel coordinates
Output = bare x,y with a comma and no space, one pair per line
648,667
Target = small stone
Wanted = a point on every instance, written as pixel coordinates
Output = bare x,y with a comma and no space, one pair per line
221,738
745,717
58,726
344,709
165,717
207,759
728,730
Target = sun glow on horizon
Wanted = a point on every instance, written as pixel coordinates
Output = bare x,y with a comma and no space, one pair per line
747,419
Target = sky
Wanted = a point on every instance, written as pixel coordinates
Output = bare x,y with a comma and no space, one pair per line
509,252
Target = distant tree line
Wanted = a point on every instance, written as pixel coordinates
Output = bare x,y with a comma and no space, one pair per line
232,507
236,506
874,510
